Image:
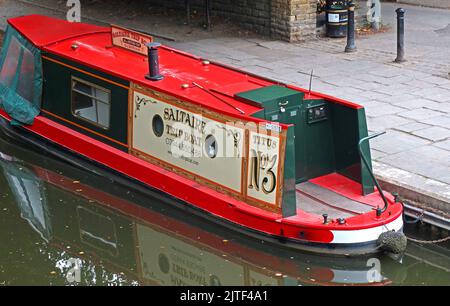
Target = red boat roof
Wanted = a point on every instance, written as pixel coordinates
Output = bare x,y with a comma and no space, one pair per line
95,50
43,30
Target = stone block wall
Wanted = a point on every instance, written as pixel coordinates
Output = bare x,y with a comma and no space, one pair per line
290,20
294,20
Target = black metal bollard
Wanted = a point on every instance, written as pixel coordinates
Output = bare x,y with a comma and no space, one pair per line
187,5
400,35
351,46
208,15
153,62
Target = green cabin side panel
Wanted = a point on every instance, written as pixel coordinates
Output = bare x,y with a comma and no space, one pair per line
317,141
366,179
349,126
314,154
289,204
57,100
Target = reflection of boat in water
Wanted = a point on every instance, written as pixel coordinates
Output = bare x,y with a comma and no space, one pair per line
140,236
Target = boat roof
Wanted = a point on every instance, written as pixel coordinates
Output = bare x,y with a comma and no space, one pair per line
95,50
43,30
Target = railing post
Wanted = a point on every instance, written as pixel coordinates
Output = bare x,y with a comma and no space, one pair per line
400,35
351,46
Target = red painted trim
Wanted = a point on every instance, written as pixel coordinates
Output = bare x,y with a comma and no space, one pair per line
317,95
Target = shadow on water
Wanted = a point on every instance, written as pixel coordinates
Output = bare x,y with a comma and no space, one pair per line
54,216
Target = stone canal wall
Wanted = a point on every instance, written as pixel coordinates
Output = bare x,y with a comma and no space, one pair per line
289,20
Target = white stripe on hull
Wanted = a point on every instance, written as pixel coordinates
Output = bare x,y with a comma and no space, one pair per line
366,235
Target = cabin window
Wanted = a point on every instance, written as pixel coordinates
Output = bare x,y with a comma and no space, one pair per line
91,103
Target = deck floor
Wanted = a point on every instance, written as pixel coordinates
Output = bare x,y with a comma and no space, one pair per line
318,200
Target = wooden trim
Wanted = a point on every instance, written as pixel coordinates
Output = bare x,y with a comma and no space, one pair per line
84,128
245,161
130,119
281,152
85,72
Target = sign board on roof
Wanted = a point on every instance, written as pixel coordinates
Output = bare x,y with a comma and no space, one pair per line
130,40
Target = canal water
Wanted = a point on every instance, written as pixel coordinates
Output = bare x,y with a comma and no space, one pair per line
61,225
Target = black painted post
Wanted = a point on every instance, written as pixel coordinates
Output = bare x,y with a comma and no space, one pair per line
351,46
153,62
400,35
208,14
187,4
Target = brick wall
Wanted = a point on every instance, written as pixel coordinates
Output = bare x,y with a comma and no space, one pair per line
290,20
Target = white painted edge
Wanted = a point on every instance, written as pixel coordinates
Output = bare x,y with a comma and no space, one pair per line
366,235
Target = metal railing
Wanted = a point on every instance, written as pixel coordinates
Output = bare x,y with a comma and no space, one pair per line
369,169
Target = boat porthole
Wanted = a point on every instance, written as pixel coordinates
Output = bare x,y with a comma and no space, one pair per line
158,125
164,264
211,146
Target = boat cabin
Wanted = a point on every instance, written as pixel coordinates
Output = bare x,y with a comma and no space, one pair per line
247,137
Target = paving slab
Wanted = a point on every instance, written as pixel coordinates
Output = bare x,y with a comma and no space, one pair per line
443,145
434,133
412,127
420,114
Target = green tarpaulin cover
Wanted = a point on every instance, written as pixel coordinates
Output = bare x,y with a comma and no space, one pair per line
20,78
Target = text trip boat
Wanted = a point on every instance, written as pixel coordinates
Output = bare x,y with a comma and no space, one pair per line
270,160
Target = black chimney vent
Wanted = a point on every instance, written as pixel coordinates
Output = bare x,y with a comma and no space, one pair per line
153,62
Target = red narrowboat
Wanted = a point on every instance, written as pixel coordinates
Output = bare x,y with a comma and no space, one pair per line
270,160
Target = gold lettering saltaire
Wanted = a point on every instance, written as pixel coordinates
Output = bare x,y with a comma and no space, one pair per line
176,115
191,143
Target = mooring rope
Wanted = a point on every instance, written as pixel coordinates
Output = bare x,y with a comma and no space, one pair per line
428,241
418,218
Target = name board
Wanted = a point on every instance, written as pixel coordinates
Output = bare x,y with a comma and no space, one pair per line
193,143
241,159
130,40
